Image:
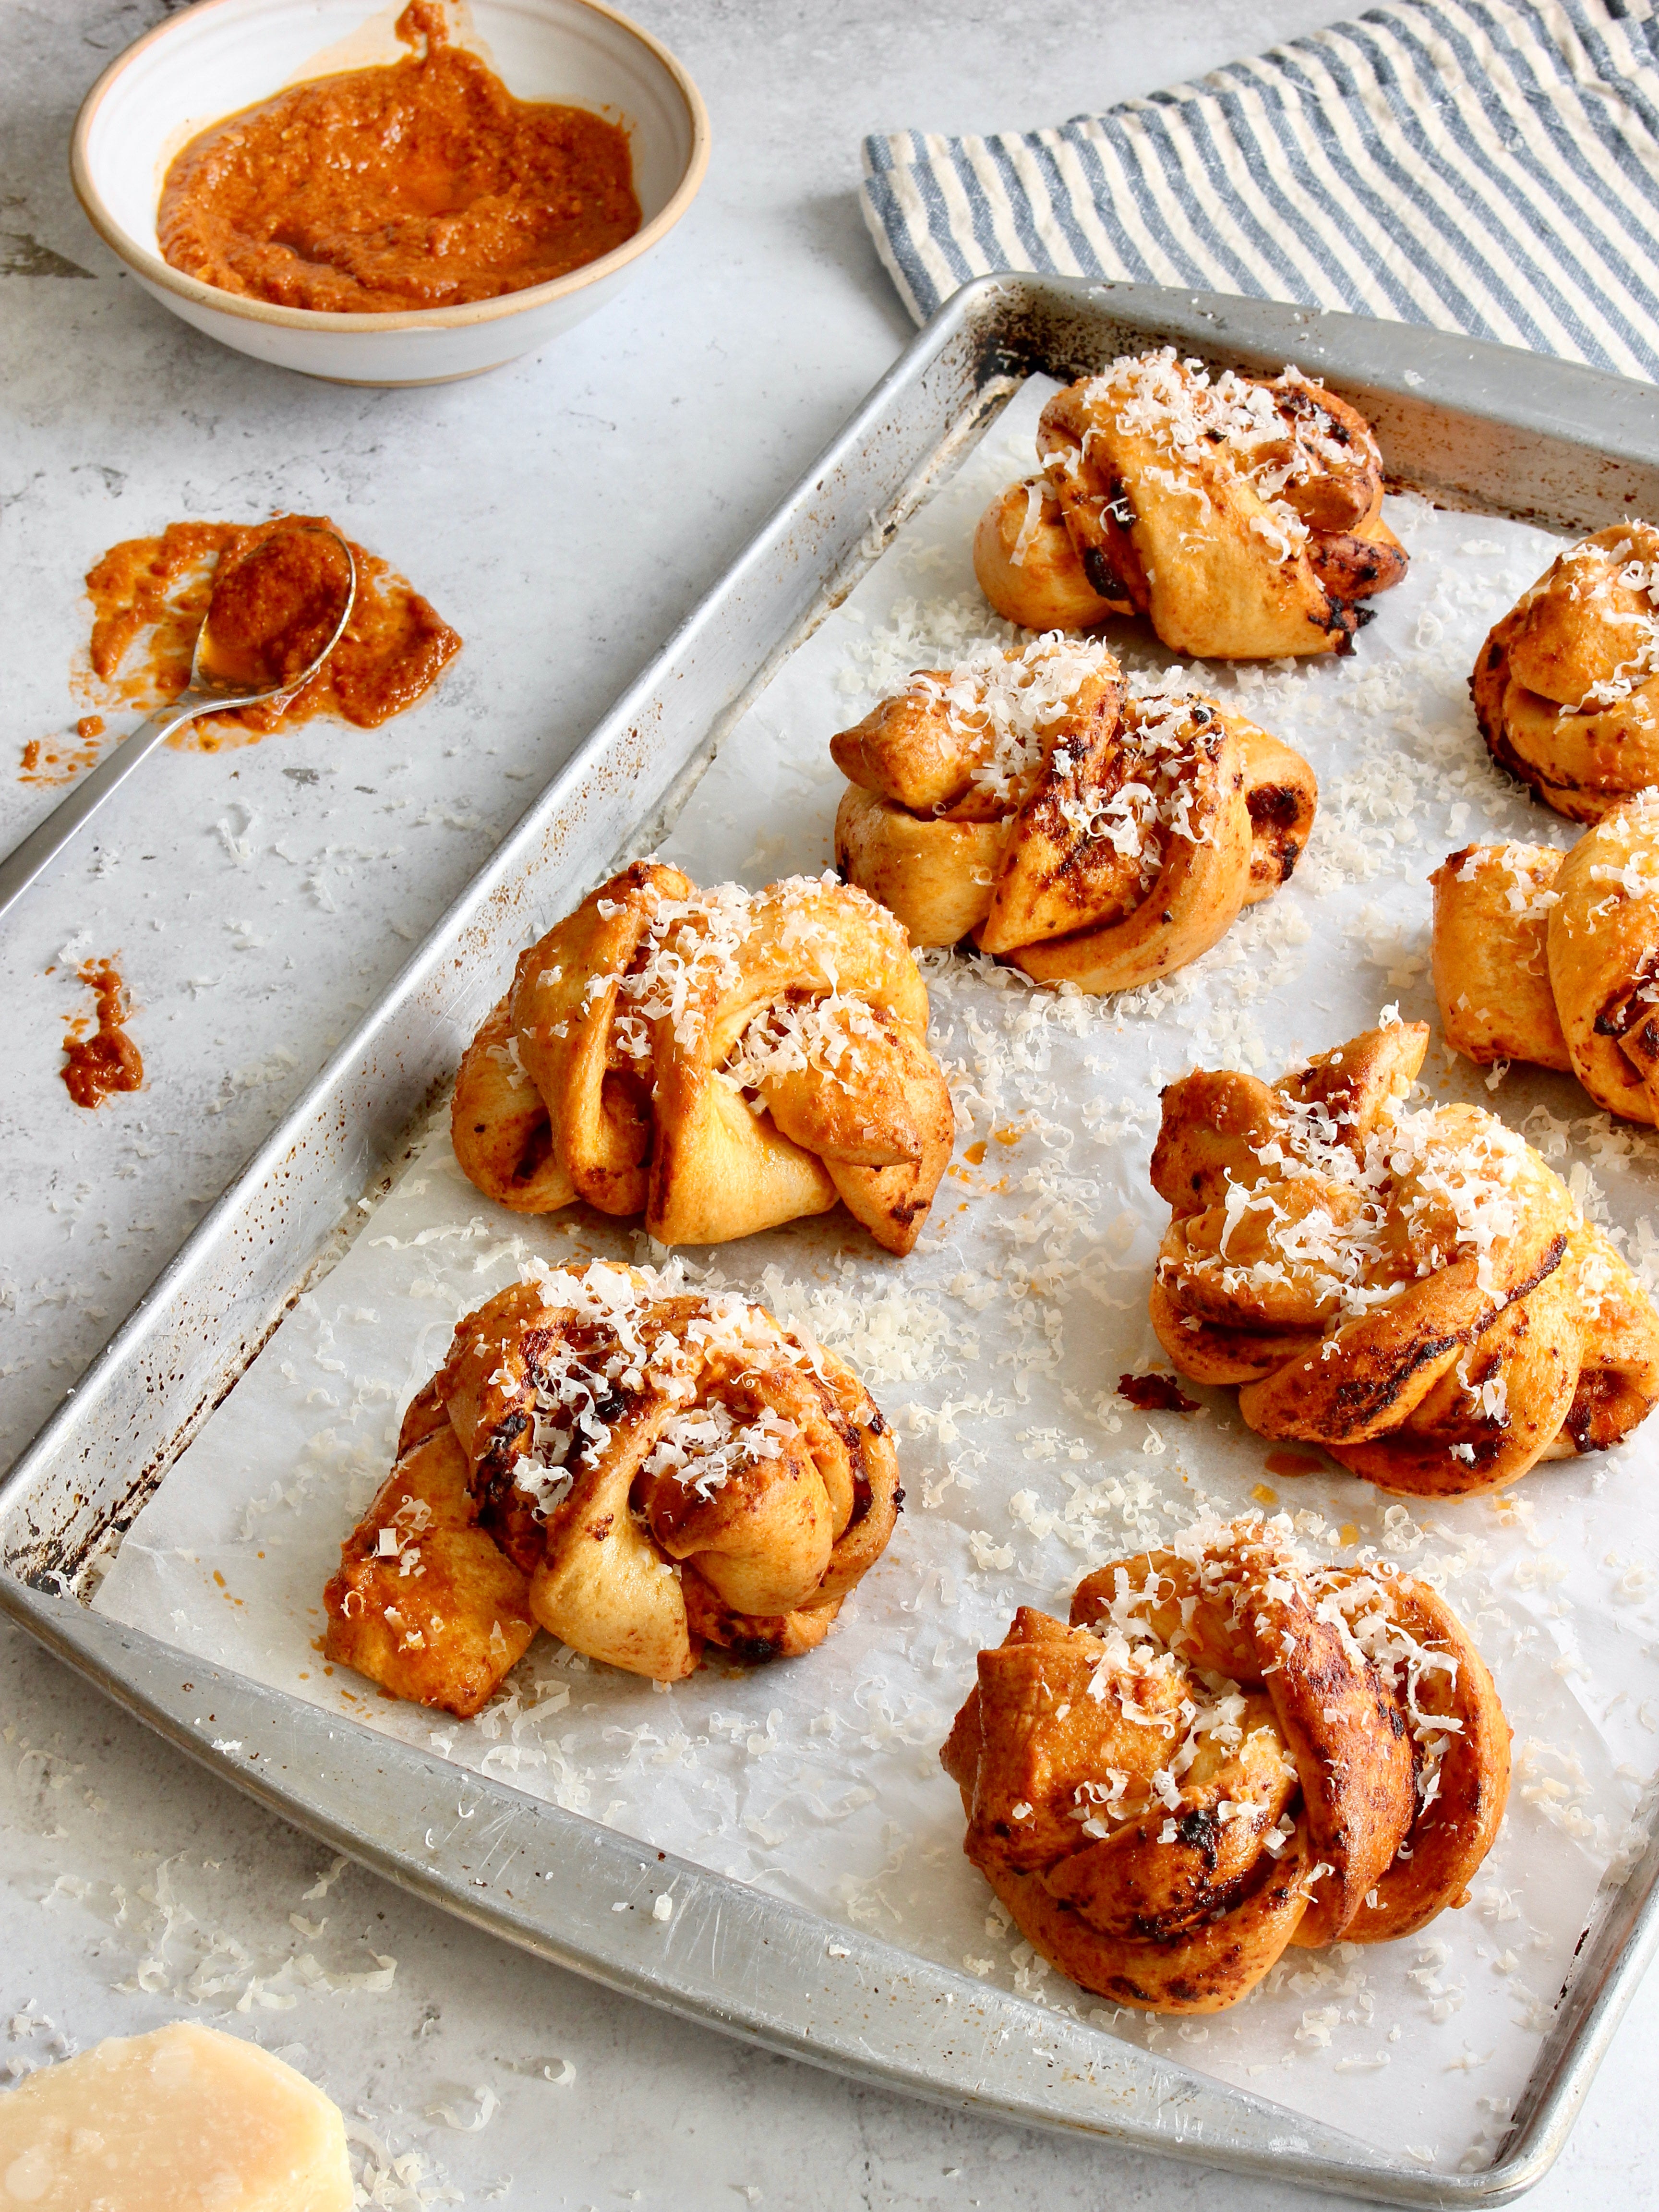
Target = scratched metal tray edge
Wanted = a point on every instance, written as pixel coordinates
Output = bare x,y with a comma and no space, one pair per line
1488,429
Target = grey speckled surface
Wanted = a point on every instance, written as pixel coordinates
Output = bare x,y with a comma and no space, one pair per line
564,514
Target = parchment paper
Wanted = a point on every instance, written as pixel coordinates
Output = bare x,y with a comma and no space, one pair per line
995,1350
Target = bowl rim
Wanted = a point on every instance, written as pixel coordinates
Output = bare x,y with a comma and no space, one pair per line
164,277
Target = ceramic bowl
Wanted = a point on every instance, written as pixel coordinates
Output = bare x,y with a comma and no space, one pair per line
225,54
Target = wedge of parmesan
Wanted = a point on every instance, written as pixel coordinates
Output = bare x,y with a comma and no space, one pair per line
183,2120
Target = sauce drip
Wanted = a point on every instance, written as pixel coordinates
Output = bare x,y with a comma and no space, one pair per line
1156,1393
420,184
107,1060
151,595
54,760
1292,1463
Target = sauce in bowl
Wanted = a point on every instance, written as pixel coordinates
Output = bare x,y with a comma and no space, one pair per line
420,184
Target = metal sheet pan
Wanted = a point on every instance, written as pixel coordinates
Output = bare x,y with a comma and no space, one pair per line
1471,426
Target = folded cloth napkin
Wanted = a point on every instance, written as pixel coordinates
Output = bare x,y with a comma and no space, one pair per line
1484,166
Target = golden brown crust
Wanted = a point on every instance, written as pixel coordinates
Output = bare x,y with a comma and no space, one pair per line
1456,1828
1603,957
638,1469
1412,1290
445,1615
1567,687
974,743
1229,1750
1028,568
1242,516
499,1126
565,1031
935,876
1080,836
1492,977
1553,957
721,1062
1250,801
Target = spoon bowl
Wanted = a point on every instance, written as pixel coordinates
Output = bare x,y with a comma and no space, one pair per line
277,615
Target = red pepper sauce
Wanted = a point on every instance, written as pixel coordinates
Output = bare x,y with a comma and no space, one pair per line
420,184
107,1060
1156,1393
1291,1463
58,759
274,610
150,596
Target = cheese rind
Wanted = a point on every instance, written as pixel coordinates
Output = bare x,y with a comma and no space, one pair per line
182,2120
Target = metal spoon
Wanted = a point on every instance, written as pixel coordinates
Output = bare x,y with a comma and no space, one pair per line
204,694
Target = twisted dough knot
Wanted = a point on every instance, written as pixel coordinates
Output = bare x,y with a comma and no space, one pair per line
636,1469
1021,800
1242,516
721,1060
1553,957
1232,1749
1414,1291
1566,689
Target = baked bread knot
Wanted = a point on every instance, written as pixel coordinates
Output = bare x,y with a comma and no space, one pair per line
1553,957
1232,1749
1022,801
1242,516
1566,689
636,1468
1410,1288
719,1061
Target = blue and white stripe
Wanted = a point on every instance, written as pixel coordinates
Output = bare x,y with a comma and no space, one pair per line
1484,166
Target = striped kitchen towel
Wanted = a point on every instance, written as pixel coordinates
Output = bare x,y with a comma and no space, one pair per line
1485,165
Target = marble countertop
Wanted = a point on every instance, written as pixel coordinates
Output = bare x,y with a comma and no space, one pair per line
565,512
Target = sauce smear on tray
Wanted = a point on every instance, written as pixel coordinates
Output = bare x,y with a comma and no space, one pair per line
150,596
419,183
1156,1393
107,1060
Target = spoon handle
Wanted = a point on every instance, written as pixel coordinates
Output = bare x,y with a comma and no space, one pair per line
42,846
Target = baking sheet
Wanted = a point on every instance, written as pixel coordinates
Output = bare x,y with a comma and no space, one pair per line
995,1350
